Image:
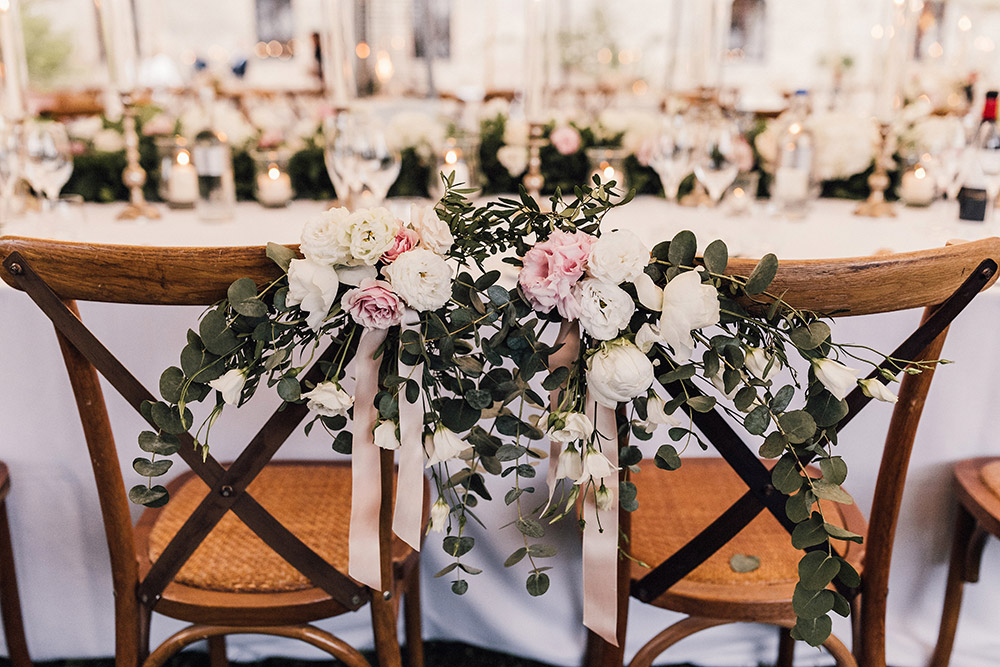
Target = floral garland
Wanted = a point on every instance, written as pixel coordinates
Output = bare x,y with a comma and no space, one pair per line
450,369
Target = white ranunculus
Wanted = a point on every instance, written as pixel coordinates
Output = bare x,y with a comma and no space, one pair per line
328,399
569,426
323,237
109,141
313,288
370,232
445,445
650,296
514,159
617,257
618,371
595,465
422,278
838,379
570,464
756,362
385,435
435,235
605,308
603,498
873,387
439,516
230,385
687,305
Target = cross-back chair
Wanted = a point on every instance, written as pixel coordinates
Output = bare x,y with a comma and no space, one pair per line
691,521
10,601
252,547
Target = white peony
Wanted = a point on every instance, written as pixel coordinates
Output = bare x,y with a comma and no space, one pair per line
605,308
434,232
439,516
109,141
230,385
443,446
687,305
422,278
570,464
313,288
416,130
569,427
756,362
596,466
618,371
369,233
514,159
845,143
650,296
321,237
385,435
873,387
617,257
838,379
328,399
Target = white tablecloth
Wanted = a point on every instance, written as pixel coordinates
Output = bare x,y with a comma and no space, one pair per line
59,543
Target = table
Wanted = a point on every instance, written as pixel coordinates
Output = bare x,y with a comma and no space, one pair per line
59,542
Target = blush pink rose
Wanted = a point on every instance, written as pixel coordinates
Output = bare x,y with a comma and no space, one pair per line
565,139
552,268
406,239
373,304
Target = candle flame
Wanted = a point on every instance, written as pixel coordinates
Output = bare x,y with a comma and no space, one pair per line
919,172
273,173
451,157
183,157
4,5
609,172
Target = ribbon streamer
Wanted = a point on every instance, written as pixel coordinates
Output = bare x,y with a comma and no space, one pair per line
366,486
407,517
569,337
600,542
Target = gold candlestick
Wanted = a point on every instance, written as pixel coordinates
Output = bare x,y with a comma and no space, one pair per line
134,176
533,180
876,206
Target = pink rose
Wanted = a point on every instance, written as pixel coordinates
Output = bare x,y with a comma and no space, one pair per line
270,139
406,239
565,139
373,304
552,268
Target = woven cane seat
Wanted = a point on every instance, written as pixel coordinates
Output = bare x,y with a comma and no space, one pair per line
233,558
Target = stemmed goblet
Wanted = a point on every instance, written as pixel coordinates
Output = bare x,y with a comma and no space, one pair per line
717,161
48,161
361,165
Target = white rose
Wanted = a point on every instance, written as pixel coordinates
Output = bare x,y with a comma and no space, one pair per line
618,372
595,465
422,278
313,288
321,237
230,385
569,427
385,435
874,388
838,379
444,445
328,400
514,159
570,464
650,296
370,232
617,257
108,141
434,232
439,516
687,305
756,362
605,308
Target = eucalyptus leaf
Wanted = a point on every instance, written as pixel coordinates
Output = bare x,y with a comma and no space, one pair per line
148,468
798,426
667,458
811,603
171,384
530,527
762,274
515,557
809,532
834,469
537,583
682,249
810,336
742,563
280,255
786,475
156,496
813,631
817,569
716,257
163,444
773,446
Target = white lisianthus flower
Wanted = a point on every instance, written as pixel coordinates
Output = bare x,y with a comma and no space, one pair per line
321,237
603,499
646,336
838,379
756,362
370,233
650,296
618,371
596,466
570,464
422,278
109,141
385,435
435,235
230,385
605,308
445,445
328,399
617,257
569,426
718,381
873,387
313,288
656,413
439,516
514,159
687,305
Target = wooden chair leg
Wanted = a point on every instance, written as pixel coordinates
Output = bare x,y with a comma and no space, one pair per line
962,551
412,624
217,651
786,648
386,639
10,601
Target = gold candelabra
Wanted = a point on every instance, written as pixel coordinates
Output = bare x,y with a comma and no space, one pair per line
533,179
134,176
876,206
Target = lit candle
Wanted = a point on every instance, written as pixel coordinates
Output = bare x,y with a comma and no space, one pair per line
455,165
338,63
534,68
917,188
888,100
15,73
274,187
182,184
118,31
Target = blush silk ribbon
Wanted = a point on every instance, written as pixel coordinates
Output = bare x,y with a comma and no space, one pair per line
407,518
366,486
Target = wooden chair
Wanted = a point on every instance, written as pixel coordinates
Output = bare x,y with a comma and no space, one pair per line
716,505
194,560
10,601
977,487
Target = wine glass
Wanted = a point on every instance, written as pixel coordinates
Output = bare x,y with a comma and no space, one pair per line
10,166
361,164
673,153
48,161
717,160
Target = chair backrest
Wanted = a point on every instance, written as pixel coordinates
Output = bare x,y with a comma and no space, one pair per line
57,274
942,281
